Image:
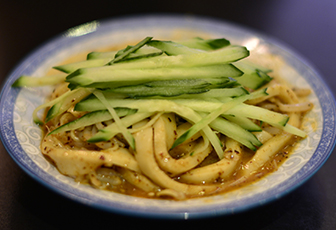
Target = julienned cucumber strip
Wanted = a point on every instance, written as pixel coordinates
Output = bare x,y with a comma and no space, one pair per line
208,93
92,118
101,55
93,104
172,48
243,122
129,51
222,93
143,51
188,88
135,57
254,80
250,67
293,130
108,77
69,68
67,100
110,131
254,76
194,83
127,135
146,91
205,44
174,88
29,81
253,112
261,114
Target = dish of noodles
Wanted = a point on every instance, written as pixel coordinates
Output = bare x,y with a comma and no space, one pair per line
237,145
181,146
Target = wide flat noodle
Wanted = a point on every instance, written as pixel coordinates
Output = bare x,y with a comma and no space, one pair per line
80,162
147,163
163,131
219,170
139,180
270,148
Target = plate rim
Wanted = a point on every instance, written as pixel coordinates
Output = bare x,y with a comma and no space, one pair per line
125,210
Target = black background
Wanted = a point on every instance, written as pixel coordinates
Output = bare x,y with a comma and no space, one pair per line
307,26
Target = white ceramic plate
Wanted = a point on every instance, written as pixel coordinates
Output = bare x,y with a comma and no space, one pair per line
22,137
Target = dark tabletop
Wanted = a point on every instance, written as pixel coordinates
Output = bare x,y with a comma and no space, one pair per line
308,26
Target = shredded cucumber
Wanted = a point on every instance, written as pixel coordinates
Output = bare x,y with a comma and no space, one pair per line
108,77
205,44
128,136
92,118
128,51
29,81
110,131
204,81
